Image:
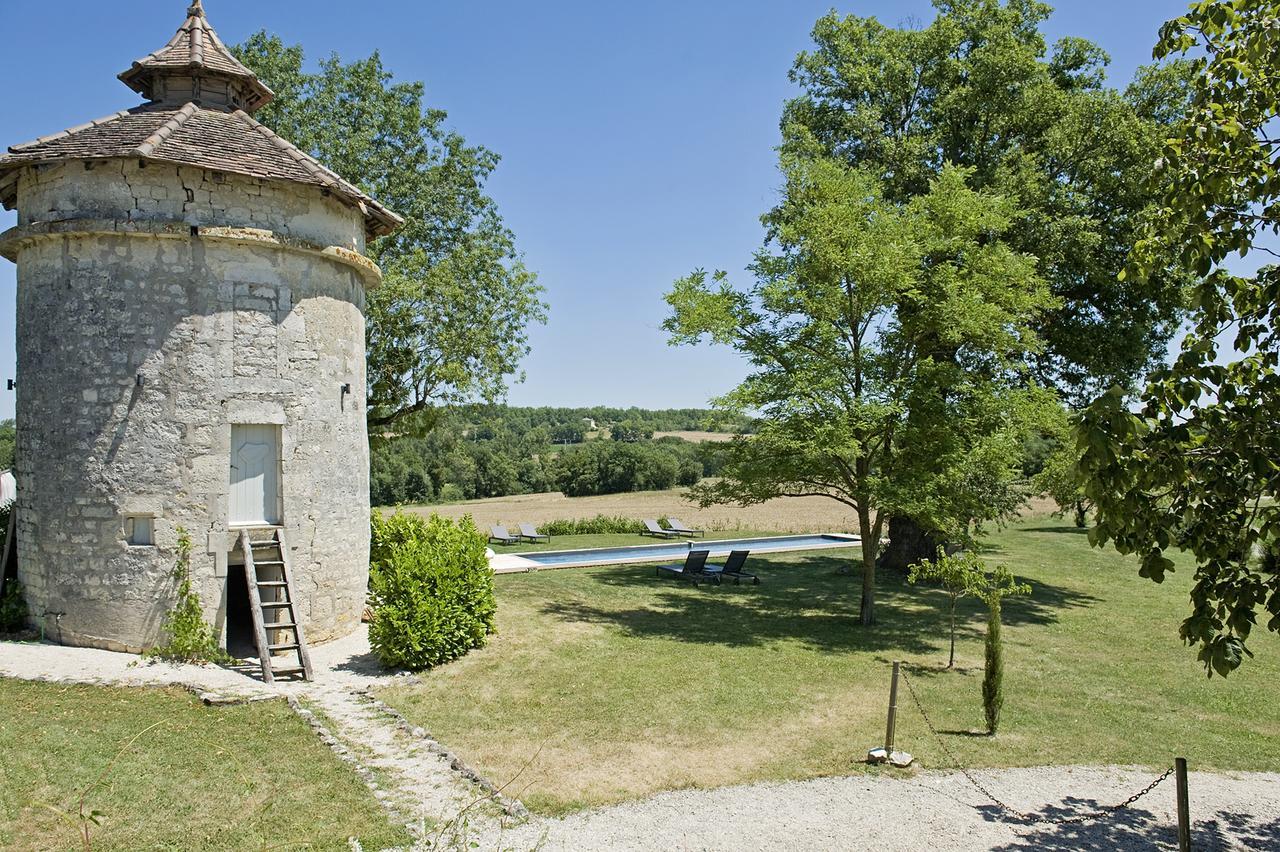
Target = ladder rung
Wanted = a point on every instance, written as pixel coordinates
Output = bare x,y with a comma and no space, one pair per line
279,625
287,670
275,604
272,584
288,646
259,564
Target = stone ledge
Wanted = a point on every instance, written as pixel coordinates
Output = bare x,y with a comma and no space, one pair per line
13,240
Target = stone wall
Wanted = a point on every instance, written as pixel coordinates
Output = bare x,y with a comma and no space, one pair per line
140,342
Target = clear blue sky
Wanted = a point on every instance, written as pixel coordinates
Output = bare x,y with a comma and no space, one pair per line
636,137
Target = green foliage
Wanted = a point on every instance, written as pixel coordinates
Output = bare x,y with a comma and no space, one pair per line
449,323
8,437
889,343
13,608
191,639
430,591
1059,475
1060,479
607,467
494,451
994,586
630,431
980,88
993,669
960,575
599,525
1197,467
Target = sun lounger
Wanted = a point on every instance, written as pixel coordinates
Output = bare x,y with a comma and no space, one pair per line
530,533
499,533
733,568
651,528
692,569
678,526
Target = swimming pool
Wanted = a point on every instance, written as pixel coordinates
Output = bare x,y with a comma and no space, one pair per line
674,551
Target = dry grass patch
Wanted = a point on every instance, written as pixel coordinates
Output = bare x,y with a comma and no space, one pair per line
784,515
696,437
789,514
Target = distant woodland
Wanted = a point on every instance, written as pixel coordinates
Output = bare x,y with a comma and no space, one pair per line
495,451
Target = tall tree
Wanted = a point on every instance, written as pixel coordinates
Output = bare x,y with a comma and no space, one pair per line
980,88
449,323
1198,467
852,302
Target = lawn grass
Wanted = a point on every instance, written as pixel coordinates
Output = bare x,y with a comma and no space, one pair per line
239,777
610,683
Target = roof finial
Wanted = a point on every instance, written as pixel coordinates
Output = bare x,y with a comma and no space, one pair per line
196,9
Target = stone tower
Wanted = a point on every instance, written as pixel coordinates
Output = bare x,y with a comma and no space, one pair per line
190,337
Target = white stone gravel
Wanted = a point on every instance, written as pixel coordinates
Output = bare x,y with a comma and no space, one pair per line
889,810
926,811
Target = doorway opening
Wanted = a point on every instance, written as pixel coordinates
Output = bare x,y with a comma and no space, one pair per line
240,639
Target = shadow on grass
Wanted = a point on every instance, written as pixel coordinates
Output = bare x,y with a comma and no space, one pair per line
1136,829
802,599
1072,530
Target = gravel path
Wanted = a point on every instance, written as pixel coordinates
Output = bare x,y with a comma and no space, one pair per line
928,811
414,779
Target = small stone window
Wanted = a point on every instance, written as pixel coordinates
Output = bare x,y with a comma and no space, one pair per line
139,530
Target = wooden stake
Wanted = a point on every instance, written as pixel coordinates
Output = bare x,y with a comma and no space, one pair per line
893,713
1184,809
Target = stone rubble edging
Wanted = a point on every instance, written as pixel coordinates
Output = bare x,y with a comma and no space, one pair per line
344,754
512,807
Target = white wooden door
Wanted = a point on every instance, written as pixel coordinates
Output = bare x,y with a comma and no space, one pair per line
255,475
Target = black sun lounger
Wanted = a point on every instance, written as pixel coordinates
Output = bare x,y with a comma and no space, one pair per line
692,569
733,568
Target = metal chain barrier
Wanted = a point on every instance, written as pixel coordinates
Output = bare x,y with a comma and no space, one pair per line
1101,813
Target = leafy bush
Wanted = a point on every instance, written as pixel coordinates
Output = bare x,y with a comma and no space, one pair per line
430,590
191,639
599,525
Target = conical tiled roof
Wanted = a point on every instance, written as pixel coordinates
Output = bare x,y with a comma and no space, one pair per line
219,136
195,51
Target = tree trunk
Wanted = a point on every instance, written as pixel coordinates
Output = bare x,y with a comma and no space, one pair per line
870,545
909,543
1081,517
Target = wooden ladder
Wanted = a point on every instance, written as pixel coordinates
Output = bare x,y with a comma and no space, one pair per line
266,572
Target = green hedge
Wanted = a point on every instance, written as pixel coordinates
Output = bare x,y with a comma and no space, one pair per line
430,590
599,525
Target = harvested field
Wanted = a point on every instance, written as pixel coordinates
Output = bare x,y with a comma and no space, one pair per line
696,437
784,515
791,514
